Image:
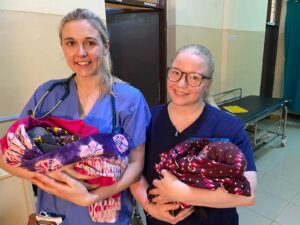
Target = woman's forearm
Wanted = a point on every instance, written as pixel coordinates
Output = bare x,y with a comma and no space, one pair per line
139,191
218,198
17,171
131,174
170,189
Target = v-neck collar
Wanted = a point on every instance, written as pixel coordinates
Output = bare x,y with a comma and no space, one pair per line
77,102
188,129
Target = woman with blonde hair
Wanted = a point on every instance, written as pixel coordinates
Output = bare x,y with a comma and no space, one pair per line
102,101
188,115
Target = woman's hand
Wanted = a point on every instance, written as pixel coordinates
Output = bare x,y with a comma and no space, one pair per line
63,186
168,189
69,169
162,212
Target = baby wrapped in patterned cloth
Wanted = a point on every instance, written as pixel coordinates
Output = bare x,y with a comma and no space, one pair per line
91,153
207,163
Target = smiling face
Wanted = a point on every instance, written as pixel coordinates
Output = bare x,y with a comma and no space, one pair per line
180,92
82,47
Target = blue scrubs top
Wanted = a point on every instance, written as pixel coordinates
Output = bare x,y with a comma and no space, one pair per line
212,123
132,117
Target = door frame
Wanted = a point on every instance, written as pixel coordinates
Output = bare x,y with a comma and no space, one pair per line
270,49
161,9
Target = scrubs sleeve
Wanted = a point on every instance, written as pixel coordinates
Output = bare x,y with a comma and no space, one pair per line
135,118
34,99
241,139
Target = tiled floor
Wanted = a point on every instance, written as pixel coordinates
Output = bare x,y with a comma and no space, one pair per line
278,195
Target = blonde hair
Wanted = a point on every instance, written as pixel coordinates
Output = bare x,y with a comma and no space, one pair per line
202,52
97,23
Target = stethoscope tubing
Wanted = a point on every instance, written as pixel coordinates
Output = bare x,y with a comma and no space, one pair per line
65,83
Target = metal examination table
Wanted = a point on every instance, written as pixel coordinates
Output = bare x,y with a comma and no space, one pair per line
266,117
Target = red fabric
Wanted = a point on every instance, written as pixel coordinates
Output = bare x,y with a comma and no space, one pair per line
103,181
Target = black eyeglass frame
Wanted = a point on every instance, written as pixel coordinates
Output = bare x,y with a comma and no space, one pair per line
186,76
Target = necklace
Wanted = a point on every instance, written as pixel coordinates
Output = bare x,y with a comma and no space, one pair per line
177,132
172,117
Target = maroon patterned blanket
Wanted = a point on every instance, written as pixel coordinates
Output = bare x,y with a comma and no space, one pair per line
207,163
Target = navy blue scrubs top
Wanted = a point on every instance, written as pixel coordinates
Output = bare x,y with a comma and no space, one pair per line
212,123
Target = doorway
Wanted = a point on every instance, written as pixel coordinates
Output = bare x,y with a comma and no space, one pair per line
138,56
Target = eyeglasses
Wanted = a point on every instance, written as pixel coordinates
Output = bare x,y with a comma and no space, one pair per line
193,79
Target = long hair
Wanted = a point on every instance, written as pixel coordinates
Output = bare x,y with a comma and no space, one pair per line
204,53
97,23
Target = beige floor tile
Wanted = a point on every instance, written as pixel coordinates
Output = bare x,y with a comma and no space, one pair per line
249,217
260,174
277,154
263,163
278,187
288,169
296,200
275,223
290,215
268,205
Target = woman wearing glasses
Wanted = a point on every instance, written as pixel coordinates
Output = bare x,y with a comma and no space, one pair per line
189,115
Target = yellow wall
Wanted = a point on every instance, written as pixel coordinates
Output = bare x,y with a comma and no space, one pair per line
171,30
234,31
279,69
17,200
30,51
200,13
57,7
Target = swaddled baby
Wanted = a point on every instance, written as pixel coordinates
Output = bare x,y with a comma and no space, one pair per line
48,139
207,163
48,144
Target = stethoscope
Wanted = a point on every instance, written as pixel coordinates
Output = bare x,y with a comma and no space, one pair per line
66,84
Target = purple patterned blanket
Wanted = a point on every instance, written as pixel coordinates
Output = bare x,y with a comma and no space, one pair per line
91,153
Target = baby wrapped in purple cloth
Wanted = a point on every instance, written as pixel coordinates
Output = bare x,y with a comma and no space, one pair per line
91,153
